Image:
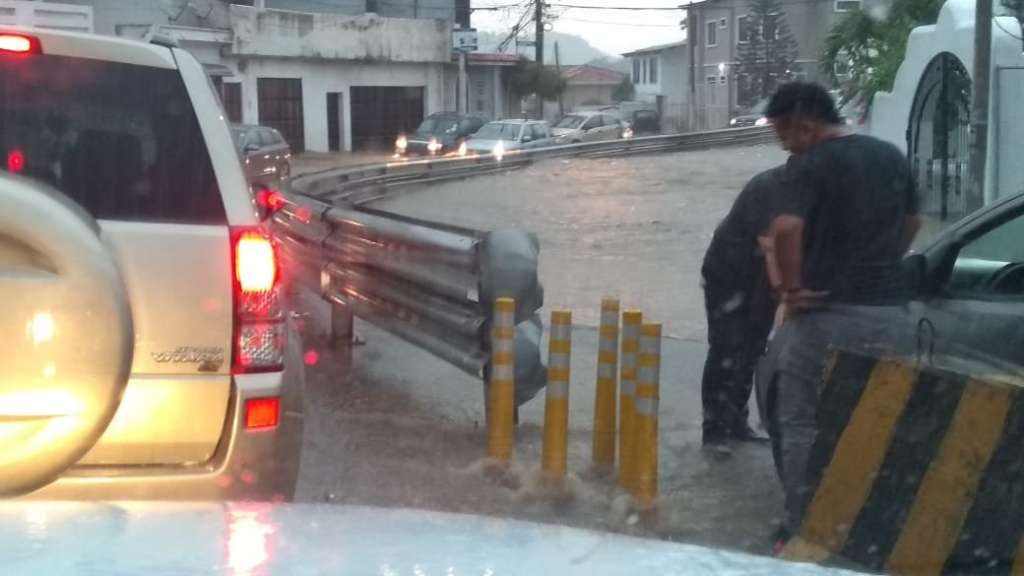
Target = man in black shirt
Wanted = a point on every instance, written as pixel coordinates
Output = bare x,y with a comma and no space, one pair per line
739,309
834,247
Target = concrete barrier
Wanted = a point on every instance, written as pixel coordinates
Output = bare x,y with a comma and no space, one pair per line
915,470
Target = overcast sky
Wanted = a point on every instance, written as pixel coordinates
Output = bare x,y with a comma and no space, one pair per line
611,31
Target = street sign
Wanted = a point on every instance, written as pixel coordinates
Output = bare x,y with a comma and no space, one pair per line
464,39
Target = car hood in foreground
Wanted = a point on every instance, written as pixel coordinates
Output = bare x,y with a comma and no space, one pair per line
296,539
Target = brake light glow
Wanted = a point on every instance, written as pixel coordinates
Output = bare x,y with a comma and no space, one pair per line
15,161
18,44
259,338
268,201
255,263
261,413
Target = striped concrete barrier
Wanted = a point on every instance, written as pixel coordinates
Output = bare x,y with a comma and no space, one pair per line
915,471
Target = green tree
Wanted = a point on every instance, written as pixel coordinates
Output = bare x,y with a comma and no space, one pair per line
864,50
527,77
767,51
624,91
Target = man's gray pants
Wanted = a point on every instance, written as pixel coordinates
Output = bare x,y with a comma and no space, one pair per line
789,381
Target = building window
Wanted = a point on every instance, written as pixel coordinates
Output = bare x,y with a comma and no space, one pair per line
847,5
770,27
653,70
723,23
742,29
711,37
371,6
841,68
645,76
636,71
723,80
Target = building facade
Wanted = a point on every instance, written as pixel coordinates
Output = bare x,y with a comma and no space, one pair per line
329,74
719,30
660,76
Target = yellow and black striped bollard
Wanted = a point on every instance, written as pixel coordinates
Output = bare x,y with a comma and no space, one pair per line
603,453
501,391
646,419
556,405
631,320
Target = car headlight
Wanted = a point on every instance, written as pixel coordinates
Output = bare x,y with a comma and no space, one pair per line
402,143
627,133
463,150
499,150
762,121
732,122
434,146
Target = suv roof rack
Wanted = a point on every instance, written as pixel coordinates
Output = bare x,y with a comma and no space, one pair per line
163,40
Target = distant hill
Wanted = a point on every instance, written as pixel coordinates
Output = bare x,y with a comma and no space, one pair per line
572,49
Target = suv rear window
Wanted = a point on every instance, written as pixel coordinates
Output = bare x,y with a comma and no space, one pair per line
121,140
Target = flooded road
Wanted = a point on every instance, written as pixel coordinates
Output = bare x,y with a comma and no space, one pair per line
390,425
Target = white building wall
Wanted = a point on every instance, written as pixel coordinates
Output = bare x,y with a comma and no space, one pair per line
319,78
954,33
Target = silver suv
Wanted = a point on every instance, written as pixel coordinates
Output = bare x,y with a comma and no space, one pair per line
123,146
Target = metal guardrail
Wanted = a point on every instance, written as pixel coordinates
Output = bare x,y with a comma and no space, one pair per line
364,184
431,284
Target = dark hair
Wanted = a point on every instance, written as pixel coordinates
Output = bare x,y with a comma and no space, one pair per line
805,99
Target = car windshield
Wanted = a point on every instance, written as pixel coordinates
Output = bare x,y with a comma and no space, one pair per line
498,131
571,121
439,125
567,287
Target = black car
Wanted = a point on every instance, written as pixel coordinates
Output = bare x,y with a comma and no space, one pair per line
645,121
439,134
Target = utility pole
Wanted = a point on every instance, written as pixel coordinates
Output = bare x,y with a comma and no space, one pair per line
539,48
979,103
691,47
558,70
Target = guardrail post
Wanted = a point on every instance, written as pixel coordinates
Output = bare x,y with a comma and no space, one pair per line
646,423
342,324
556,405
501,390
631,320
603,452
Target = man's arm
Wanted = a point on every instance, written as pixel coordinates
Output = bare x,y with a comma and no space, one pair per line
911,226
786,236
771,263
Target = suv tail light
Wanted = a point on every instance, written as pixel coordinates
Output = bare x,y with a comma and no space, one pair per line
19,44
259,335
15,161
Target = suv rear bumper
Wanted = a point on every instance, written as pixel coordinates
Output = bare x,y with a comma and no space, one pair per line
247,465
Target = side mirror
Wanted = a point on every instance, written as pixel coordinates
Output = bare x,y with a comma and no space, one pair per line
527,138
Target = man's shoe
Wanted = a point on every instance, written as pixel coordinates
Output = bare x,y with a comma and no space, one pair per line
717,446
745,433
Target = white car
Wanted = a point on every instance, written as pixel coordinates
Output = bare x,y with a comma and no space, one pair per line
501,136
588,127
148,350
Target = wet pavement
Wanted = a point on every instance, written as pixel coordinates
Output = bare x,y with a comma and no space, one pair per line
390,425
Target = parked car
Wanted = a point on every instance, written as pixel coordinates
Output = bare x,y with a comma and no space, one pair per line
159,362
438,134
644,122
265,154
505,135
968,286
588,127
754,117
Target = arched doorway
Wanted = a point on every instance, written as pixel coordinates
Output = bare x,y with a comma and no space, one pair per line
938,136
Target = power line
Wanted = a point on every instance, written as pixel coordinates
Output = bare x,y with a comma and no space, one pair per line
631,8
637,25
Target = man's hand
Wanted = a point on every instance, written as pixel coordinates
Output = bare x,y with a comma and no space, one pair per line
796,301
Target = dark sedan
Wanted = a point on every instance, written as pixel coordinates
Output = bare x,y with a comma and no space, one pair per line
438,134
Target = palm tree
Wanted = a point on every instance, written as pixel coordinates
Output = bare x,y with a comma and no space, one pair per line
864,50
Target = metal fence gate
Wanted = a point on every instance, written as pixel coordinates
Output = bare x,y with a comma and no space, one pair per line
938,137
